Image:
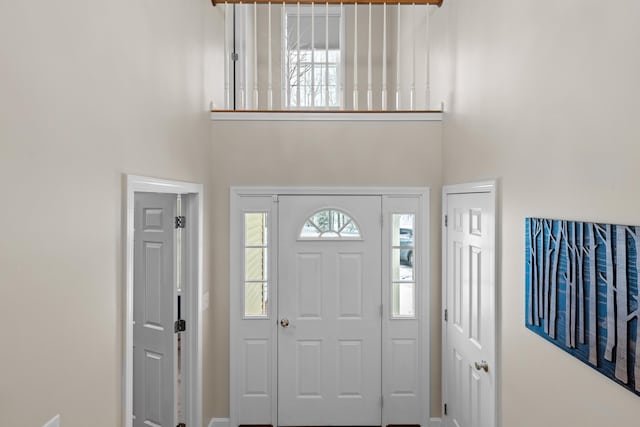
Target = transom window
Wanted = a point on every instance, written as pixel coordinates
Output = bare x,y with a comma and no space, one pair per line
330,224
313,70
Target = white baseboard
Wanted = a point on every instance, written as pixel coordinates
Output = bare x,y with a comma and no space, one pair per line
219,422
435,422
53,422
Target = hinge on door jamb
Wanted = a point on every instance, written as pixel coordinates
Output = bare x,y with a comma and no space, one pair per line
235,56
181,221
445,409
446,315
179,326
446,220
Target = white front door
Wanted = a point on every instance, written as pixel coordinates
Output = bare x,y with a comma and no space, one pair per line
469,353
329,310
154,296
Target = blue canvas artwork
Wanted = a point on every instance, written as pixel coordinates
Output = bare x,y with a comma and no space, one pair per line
582,292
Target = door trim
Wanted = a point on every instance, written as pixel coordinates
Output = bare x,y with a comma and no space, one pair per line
490,187
194,284
267,197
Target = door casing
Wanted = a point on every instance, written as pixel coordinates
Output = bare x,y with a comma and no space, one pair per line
247,199
489,187
193,206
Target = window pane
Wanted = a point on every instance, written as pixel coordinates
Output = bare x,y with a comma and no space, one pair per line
255,229
403,300
255,299
402,229
402,265
255,264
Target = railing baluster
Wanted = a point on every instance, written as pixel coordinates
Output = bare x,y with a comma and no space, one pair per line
384,57
326,55
255,56
398,44
369,68
227,56
427,86
285,87
313,56
243,63
412,95
298,56
355,57
270,63
342,77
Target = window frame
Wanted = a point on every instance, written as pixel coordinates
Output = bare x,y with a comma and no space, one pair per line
305,10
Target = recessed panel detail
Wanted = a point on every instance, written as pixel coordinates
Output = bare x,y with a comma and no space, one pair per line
309,368
457,220
257,367
350,285
350,368
475,295
475,222
152,219
457,283
153,284
309,281
153,386
404,360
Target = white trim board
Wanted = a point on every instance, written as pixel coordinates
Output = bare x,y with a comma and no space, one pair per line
326,116
134,184
219,422
53,422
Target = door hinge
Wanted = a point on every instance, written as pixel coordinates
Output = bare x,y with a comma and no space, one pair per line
445,409
446,220
181,221
235,56
179,326
446,315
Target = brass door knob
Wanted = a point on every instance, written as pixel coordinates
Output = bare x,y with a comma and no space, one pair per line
284,323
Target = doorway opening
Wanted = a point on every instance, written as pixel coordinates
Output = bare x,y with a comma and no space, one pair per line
162,321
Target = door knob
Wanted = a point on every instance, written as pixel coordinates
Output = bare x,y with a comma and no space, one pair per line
284,323
482,365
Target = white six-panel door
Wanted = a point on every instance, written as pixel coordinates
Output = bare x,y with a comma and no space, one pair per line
153,310
469,353
329,339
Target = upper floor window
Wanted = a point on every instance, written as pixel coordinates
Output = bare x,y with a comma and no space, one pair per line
312,43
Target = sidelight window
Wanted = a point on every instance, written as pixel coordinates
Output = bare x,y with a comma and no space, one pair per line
256,265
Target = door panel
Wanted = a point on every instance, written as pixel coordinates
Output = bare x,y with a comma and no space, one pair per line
470,294
154,291
329,355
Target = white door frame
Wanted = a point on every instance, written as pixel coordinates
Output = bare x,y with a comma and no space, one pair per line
269,195
194,283
490,187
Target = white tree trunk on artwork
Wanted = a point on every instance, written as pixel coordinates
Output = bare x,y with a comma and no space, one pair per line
621,304
547,272
569,279
530,300
580,250
593,297
604,232
553,310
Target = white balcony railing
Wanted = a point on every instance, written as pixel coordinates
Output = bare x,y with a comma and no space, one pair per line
326,56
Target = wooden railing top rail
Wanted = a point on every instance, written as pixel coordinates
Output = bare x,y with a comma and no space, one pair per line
392,2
